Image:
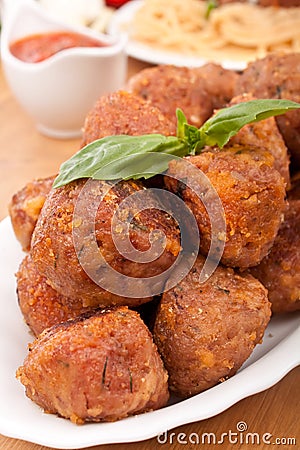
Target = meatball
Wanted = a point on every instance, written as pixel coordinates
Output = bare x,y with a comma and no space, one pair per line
25,207
281,3
218,82
251,191
170,87
41,306
264,134
277,76
266,3
57,259
100,367
279,271
205,331
124,113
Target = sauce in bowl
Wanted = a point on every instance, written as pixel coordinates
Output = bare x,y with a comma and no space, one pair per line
38,47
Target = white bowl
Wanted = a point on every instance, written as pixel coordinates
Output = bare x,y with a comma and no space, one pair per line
59,91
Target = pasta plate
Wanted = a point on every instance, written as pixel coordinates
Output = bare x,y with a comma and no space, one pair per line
225,37
152,55
21,418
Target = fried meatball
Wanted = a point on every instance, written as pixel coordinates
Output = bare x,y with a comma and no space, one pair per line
170,87
277,76
205,331
251,191
279,271
25,207
41,306
99,368
124,113
281,3
264,134
55,256
218,82
265,3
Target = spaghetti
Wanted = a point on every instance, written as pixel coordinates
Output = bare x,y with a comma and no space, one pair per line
236,31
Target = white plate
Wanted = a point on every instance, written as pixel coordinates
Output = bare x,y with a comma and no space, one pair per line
21,418
149,54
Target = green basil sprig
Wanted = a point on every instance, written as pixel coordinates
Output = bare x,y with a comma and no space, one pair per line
125,157
210,6
228,121
118,154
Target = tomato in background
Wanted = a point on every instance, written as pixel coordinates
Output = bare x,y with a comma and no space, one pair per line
116,3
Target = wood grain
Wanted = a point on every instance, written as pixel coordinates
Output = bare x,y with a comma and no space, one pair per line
25,154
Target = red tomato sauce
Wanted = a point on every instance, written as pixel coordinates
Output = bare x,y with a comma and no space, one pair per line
38,47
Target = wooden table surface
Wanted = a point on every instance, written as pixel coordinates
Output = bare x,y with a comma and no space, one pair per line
25,154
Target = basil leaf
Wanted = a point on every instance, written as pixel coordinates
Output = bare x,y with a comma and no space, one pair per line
95,156
228,121
135,166
123,157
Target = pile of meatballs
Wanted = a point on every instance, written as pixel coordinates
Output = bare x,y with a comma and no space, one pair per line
99,356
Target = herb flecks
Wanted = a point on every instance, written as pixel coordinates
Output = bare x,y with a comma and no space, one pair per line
222,289
55,261
104,371
130,380
133,157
